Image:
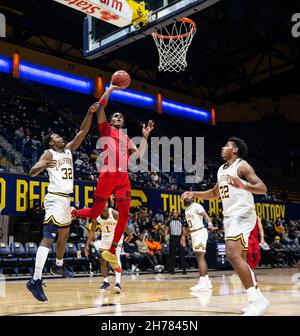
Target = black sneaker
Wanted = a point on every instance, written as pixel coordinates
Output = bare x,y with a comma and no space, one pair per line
105,285
117,288
61,271
36,289
184,271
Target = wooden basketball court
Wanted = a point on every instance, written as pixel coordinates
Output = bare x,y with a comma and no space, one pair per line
157,294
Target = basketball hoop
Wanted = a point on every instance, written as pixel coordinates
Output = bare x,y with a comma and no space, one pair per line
173,43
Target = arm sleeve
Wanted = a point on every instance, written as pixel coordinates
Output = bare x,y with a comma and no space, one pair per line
104,128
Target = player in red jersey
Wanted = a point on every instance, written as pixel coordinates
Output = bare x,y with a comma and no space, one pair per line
114,178
253,255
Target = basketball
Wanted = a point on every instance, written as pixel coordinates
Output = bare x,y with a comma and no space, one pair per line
121,78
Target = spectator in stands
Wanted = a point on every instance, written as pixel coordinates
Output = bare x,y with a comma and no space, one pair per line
154,249
131,258
278,252
144,251
159,217
3,161
35,216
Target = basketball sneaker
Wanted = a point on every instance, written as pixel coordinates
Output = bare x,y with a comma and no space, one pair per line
202,286
36,289
117,288
262,297
255,308
105,285
61,271
112,260
208,282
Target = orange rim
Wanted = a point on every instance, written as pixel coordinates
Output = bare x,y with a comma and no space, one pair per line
176,37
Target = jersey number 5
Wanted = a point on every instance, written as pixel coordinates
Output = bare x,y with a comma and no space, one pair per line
224,190
67,173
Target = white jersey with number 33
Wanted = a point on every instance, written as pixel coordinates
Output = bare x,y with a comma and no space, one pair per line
61,176
193,216
235,201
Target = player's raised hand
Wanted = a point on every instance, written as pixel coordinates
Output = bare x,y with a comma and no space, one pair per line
187,194
93,108
116,87
236,182
147,130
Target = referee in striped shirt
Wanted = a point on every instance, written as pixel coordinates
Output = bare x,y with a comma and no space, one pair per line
175,229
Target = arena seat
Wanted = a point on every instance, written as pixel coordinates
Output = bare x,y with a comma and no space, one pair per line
18,251
7,261
83,261
70,255
31,249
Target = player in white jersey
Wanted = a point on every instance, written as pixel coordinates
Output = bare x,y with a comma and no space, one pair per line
237,181
107,222
58,162
194,215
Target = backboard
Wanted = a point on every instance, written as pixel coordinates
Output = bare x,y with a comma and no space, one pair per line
101,38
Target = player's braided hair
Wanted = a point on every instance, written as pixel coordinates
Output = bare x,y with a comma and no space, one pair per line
47,139
241,145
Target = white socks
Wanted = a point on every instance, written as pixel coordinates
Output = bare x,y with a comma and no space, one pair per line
41,257
106,279
118,277
59,262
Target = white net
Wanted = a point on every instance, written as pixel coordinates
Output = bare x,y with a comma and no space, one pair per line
172,43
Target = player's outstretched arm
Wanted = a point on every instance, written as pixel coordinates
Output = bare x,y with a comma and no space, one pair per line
209,194
101,117
84,129
208,220
44,162
252,184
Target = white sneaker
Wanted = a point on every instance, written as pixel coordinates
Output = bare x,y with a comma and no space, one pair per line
255,308
209,285
200,287
263,299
